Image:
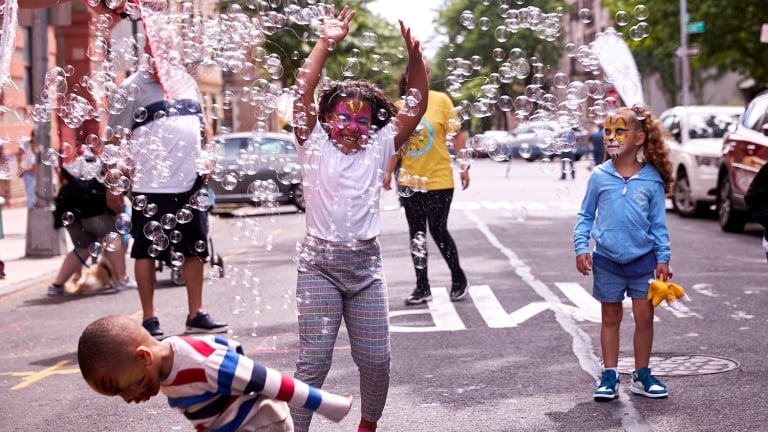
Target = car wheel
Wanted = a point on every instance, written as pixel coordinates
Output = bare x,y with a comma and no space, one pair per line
730,219
682,202
297,196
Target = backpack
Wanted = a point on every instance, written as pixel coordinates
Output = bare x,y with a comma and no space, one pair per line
83,198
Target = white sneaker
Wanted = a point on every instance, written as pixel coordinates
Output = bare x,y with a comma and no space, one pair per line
126,284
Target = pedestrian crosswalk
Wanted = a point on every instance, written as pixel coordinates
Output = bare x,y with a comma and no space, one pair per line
442,315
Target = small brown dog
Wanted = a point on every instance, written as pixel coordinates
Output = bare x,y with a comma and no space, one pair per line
95,278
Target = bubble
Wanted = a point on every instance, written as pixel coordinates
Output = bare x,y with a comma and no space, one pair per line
501,34
498,54
546,166
560,80
123,223
177,260
161,241
326,325
168,221
184,215
67,218
175,236
525,151
149,210
622,18
94,249
585,15
519,213
112,241
152,229
641,12
419,250
200,246
139,202
350,67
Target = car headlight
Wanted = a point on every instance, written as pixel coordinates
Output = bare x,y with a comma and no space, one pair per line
706,161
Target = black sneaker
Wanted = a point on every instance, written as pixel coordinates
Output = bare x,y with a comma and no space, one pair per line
459,290
203,323
419,296
152,325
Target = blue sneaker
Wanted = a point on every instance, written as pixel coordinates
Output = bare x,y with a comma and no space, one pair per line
608,386
643,383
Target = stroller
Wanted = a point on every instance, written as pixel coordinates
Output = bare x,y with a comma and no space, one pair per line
215,259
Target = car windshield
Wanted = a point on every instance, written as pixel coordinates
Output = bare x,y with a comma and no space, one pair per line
265,147
708,125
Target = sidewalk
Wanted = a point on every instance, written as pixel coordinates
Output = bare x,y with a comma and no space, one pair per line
22,272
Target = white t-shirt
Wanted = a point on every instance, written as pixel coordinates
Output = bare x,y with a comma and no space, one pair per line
342,191
166,149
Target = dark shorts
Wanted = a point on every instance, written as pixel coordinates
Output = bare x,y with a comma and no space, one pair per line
189,239
90,230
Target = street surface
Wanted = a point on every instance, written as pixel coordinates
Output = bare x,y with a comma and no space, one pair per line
519,354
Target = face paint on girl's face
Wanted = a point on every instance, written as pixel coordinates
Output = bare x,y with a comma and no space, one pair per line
615,135
350,121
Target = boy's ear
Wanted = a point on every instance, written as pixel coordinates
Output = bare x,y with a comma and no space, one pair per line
145,355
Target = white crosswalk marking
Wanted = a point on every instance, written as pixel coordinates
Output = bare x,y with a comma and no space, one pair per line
587,308
442,312
490,308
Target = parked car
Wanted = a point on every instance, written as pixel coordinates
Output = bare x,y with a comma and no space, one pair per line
256,169
534,140
744,151
695,139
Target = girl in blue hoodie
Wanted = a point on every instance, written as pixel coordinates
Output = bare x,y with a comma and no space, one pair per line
624,212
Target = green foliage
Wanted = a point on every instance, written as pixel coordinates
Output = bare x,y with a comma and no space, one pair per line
730,42
293,43
477,44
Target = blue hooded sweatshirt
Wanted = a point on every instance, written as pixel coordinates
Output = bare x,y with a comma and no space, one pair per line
626,218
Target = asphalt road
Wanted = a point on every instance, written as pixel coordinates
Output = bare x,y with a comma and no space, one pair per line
519,354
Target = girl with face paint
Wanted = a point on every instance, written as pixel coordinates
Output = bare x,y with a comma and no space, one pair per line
624,212
345,142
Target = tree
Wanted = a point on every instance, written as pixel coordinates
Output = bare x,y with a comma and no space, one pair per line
371,51
487,44
730,42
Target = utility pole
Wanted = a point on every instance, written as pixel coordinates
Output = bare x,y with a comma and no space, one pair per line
685,67
43,240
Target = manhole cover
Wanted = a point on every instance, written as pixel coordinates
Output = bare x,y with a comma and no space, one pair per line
678,365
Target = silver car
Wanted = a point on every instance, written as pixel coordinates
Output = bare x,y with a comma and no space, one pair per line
255,169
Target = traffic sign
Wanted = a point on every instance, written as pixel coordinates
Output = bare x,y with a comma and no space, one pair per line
693,50
695,27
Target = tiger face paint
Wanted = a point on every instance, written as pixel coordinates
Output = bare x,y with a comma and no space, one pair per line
615,136
351,122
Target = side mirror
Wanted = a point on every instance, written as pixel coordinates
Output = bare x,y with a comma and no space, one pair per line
676,134
764,128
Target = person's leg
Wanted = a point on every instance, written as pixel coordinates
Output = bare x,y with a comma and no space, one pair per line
192,271
69,266
439,206
609,333
366,315
642,309
29,186
144,269
416,216
319,306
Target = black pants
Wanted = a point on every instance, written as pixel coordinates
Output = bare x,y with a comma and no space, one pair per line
430,210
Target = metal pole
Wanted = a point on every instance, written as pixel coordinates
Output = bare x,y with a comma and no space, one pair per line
42,239
685,68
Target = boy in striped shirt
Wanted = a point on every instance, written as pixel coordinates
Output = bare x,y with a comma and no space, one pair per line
207,378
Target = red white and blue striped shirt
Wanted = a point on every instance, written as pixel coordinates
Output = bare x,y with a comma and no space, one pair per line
219,389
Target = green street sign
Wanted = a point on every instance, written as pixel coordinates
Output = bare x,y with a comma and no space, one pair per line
695,27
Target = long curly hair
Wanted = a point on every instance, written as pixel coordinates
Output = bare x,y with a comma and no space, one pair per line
382,106
655,150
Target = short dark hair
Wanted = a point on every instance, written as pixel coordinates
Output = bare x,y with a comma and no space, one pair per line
363,90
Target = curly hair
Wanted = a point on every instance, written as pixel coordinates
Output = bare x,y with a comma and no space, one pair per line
330,95
655,150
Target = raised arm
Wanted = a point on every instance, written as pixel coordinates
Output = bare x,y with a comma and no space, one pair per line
334,30
417,79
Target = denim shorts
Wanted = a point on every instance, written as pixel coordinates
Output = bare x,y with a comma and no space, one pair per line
609,287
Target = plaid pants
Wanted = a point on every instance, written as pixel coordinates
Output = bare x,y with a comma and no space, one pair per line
335,280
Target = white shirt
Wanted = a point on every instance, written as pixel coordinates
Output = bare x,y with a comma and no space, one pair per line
342,191
165,150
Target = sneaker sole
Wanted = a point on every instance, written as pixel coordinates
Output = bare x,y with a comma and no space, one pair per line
460,297
605,398
197,330
642,392
421,300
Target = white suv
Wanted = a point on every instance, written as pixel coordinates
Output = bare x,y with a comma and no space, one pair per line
695,139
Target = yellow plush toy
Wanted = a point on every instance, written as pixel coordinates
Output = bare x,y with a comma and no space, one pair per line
672,293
